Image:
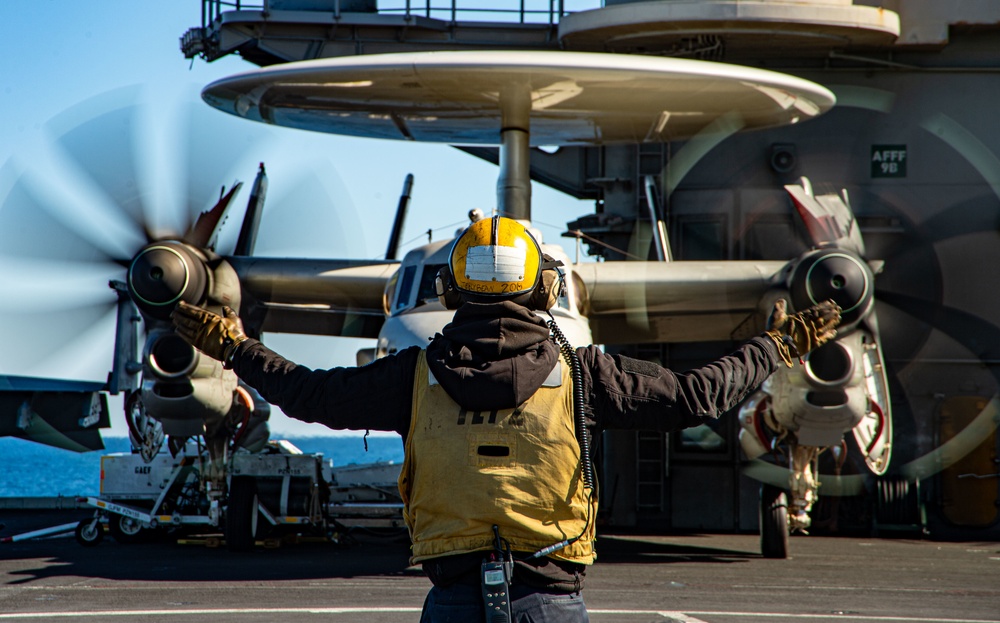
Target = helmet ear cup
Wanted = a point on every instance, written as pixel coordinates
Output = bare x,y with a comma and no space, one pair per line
546,293
444,287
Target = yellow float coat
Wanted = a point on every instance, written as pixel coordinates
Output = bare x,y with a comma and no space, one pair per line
518,469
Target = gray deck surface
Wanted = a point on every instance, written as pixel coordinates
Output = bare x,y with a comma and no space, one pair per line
715,578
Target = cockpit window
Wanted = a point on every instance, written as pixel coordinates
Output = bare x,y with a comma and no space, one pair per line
563,300
426,289
405,287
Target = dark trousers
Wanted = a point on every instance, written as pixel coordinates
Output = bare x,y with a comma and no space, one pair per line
463,603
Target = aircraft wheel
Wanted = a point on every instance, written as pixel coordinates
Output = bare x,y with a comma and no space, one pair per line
89,532
773,522
126,530
242,514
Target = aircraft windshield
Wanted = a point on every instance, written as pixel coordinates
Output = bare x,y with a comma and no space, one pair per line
405,286
425,287
426,291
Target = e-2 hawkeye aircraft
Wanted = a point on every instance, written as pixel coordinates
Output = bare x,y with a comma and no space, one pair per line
515,100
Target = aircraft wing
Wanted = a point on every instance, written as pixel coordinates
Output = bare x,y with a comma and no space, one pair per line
314,296
626,302
64,414
689,301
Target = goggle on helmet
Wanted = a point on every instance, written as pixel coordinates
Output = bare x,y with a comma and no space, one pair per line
495,259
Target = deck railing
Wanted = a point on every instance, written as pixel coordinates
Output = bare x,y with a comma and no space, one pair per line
504,11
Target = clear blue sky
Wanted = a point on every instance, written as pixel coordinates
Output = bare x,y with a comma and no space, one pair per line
58,53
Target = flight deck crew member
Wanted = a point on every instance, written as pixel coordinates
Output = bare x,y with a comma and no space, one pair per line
497,499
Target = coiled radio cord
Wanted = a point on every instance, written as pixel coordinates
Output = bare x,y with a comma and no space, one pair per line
580,421
579,415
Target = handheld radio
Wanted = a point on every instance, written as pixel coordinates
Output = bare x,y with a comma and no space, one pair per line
495,580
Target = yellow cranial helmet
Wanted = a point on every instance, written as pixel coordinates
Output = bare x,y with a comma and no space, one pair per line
495,258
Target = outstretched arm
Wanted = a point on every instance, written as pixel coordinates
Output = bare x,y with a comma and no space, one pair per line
375,397
632,394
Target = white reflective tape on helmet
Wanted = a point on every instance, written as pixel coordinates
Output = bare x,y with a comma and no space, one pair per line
495,263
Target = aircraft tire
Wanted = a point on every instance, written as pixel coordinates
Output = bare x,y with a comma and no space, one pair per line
242,514
126,530
89,532
773,522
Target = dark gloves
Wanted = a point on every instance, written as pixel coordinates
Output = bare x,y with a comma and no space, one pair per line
216,336
804,331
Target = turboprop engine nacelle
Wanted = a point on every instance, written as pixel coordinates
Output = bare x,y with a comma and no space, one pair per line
183,389
164,273
838,275
829,394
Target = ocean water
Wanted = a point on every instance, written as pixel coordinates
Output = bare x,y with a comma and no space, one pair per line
29,469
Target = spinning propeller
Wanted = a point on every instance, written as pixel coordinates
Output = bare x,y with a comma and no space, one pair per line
131,195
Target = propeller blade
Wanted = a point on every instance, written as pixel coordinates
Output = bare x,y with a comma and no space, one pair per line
215,151
311,192
100,137
36,221
63,343
134,152
976,334
38,286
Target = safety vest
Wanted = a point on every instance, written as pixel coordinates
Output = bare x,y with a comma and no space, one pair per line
518,469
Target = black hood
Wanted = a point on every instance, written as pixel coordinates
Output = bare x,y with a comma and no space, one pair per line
492,355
